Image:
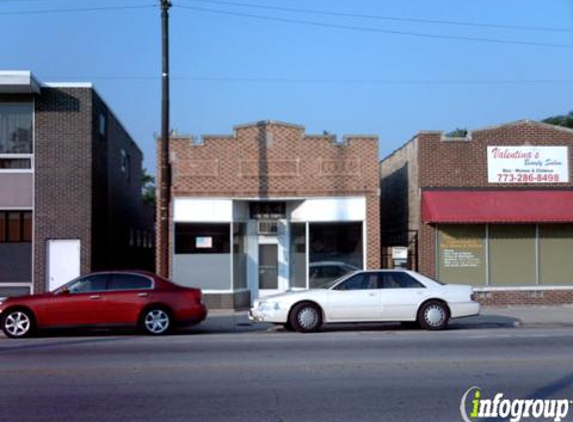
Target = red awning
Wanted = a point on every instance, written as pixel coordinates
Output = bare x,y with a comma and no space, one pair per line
497,206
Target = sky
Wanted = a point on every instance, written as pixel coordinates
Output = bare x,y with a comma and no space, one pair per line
386,67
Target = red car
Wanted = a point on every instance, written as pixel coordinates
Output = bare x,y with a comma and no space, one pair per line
114,298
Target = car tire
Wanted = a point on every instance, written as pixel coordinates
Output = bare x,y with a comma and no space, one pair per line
433,315
18,323
305,318
155,321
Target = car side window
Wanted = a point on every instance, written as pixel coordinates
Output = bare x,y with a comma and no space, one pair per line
91,283
363,281
399,280
129,282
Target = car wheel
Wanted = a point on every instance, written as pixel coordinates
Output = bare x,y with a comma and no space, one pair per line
305,318
433,315
156,321
18,324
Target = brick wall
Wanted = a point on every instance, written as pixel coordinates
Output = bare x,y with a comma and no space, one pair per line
525,297
118,196
63,179
80,190
462,163
271,159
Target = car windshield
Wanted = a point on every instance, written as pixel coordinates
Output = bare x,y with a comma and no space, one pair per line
332,283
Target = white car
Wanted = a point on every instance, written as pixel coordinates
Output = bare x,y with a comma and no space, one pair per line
324,271
369,296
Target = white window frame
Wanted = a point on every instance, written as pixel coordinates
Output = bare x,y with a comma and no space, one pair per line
18,157
23,156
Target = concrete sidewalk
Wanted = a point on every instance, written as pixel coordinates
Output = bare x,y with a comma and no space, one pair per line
230,321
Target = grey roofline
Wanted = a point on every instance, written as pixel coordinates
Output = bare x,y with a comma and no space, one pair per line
18,82
412,139
499,126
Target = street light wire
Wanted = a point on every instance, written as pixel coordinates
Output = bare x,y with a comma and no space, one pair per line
374,30
325,80
72,10
382,17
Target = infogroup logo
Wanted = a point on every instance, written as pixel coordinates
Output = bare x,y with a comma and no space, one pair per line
499,408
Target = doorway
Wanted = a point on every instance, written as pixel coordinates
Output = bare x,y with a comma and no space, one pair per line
63,261
268,266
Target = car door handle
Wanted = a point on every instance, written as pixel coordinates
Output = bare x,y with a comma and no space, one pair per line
95,297
142,294
371,294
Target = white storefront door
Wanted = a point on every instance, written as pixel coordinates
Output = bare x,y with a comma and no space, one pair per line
63,261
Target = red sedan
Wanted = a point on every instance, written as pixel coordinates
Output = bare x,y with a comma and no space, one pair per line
115,298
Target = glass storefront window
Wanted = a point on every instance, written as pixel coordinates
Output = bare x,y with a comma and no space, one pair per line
555,246
199,238
512,254
297,255
335,249
462,254
16,128
239,255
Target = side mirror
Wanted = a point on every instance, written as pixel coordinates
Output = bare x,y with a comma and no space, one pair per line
65,291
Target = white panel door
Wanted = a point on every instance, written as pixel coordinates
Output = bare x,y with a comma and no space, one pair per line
63,261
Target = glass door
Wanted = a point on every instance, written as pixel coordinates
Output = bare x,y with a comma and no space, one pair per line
268,269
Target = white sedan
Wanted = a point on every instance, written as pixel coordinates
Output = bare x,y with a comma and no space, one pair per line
369,296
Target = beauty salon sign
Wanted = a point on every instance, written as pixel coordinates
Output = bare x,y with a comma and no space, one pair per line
527,164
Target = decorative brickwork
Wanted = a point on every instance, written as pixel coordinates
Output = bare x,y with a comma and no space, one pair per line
271,159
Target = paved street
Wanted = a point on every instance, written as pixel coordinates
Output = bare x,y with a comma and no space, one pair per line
365,373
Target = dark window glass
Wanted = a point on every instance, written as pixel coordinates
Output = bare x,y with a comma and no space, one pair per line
334,245
13,227
15,163
26,227
397,280
16,128
198,238
2,227
128,282
267,210
297,256
90,283
361,281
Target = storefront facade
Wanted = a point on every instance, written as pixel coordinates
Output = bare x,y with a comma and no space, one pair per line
270,209
493,209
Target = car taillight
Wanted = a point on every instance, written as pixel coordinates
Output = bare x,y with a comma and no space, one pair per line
198,295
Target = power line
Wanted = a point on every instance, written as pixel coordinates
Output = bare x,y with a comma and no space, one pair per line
72,10
376,30
329,80
382,17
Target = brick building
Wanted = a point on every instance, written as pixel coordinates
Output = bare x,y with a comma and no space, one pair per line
493,209
70,187
270,208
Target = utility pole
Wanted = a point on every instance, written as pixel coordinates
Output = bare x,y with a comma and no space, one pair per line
165,175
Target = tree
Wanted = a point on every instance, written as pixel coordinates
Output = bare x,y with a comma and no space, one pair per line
458,133
562,120
148,188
